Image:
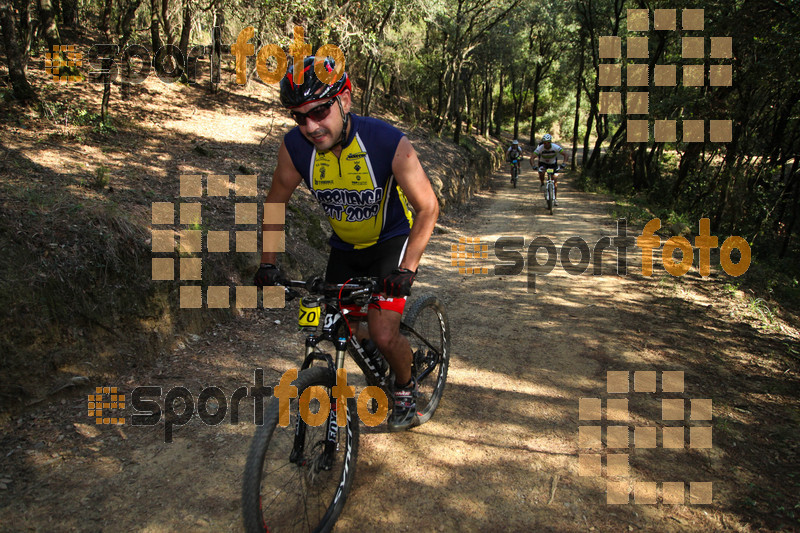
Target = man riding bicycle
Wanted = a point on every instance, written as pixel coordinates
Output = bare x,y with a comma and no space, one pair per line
364,173
548,153
514,151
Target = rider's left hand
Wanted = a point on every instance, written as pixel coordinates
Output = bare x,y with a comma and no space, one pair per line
398,282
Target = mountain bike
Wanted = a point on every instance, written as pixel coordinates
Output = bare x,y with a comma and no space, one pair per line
550,187
514,172
297,477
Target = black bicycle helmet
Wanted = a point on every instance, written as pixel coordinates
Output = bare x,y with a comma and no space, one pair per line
312,89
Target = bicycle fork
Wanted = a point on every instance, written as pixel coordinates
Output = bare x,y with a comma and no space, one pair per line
331,426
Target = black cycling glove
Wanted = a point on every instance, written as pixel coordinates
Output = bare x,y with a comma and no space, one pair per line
398,283
268,274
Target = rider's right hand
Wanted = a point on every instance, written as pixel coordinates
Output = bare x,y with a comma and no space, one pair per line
268,274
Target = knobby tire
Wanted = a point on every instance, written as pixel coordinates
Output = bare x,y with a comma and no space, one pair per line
427,316
280,495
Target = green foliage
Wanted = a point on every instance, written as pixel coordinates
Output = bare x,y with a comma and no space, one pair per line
101,178
67,113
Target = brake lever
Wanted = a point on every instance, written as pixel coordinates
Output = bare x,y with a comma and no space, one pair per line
291,294
315,285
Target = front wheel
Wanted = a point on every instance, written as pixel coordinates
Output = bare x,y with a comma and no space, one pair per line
295,479
550,196
428,331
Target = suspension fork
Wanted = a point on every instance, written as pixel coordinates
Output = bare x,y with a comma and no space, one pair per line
331,426
300,426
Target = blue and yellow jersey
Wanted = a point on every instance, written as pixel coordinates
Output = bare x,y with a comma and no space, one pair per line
357,190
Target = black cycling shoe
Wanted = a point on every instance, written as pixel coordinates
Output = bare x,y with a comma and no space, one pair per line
404,414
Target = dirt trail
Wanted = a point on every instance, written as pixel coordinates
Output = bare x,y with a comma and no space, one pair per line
501,454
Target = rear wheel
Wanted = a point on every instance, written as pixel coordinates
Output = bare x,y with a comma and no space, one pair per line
299,484
428,331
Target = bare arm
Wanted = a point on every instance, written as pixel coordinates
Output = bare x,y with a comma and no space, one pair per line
412,179
284,181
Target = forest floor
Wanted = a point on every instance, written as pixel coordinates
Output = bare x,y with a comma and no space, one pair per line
502,452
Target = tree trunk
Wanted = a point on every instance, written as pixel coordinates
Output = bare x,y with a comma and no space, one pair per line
373,69
790,227
489,109
445,100
485,107
26,30
166,22
105,19
186,30
468,102
587,158
69,12
49,27
498,113
537,80
578,103
106,62
534,112
126,29
16,62
155,34
457,104
216,49
106,91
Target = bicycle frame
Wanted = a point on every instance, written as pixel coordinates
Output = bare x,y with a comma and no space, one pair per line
514,170
549,184
337,331
550,188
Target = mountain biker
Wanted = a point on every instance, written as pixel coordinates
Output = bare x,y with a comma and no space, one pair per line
547,153
514,151
364,173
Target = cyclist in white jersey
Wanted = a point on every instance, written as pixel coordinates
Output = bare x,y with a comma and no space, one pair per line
547,154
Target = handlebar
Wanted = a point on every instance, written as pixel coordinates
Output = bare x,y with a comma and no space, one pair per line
358,289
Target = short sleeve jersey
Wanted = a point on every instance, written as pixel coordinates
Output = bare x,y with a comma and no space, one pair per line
357,190
515,151
548,156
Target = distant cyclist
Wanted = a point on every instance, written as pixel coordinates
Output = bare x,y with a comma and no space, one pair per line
514,152
547,154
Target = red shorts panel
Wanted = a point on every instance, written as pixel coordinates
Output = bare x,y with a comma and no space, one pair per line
384,302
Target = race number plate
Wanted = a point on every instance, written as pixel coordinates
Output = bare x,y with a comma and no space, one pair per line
309,315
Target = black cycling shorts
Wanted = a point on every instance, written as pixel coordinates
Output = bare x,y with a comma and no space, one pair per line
545,166
376,261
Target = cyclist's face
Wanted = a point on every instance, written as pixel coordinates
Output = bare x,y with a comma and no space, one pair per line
547,144
324,132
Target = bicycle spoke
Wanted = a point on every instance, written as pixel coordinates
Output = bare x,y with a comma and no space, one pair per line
298,496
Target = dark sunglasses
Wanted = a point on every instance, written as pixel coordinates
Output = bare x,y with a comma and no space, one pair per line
318,113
